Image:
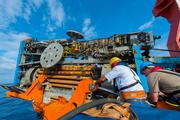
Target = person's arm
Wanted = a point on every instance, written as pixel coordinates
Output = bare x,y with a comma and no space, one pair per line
154,97
153,84
101,79
115,72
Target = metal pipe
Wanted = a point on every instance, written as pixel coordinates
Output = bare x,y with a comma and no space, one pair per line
63,81
71,67
32,54
33,63
67,77
65,72
63,86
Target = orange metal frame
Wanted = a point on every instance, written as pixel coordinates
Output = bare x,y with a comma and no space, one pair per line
55,108
58,108
34,93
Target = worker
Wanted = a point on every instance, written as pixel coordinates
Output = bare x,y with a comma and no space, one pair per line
162,84
126,80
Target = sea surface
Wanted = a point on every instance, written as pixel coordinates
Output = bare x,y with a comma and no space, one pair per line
15,109
18,109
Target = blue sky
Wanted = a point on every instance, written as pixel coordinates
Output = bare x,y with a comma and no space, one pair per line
50,19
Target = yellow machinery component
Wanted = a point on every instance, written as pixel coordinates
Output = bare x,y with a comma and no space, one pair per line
67,76
65,72
75,46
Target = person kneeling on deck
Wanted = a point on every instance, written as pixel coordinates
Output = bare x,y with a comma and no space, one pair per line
126,80
164,86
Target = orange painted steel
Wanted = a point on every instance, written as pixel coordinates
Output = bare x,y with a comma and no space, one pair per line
170,9
164,105
55,108
34,93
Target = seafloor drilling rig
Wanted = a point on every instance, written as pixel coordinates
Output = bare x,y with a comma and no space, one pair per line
66,62
58,74
49,69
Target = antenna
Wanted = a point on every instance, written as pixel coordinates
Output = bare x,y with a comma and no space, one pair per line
74,35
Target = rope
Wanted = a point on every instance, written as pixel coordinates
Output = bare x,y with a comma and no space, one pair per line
92,104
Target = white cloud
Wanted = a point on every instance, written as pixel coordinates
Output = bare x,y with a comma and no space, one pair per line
27,13
161,44
9,50
6,76
88,29
72,18
31,5
37,3
11,40
50,28
8,63
147,25
12,8
9,11
57,13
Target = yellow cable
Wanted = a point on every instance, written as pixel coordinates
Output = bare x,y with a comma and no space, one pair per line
175,105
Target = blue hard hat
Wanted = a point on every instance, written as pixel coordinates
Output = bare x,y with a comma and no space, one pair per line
145,64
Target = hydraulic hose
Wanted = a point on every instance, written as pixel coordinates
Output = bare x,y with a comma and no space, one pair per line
86,106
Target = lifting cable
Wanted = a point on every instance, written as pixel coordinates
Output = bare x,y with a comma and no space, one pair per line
165,50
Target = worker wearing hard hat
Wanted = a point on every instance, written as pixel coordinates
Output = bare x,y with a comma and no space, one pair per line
161,83
126,80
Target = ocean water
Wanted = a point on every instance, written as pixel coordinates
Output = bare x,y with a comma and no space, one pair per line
18,109
15,109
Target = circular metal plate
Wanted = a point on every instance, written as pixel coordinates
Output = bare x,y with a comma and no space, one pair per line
51,55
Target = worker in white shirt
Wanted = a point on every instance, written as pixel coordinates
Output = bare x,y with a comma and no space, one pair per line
127,81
